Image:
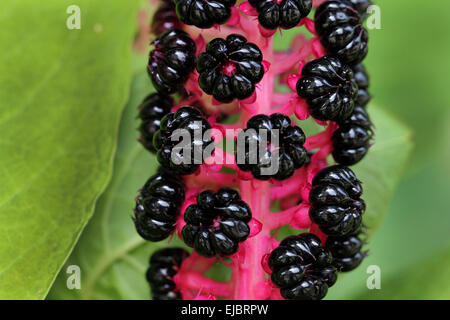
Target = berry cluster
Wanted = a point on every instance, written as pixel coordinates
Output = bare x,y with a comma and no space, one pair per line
164,265
285,14
217,223
340,30
302,268
171,61
187,120
336,204
154,107
346,252
204,13
158,206
329,88
221,181
290,154
230,68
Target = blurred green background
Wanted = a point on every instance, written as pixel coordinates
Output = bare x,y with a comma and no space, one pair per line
409,64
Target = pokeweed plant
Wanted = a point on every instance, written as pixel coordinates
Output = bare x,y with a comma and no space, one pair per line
212,61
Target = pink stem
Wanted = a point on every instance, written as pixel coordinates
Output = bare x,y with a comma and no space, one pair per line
194,283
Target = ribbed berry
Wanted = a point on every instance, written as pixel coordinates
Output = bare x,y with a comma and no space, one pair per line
217,223
152,109
351,141
164,265
204,13
186,120
340,31
346,252
362,80
336,204
361,6
285,14
290,154
302,268
329,87
158,206
229,69
165,18
172,60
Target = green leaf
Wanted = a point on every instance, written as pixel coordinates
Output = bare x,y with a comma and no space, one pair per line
381,169
60,104
427,281
113,258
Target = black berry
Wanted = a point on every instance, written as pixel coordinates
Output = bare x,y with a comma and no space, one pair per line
164,265
165,18
285,14
152,109
339,27
302,268
346,252
329,87
186,120
362,80
361,6
290,154
230,68
336,204
158,206
217,223
351,141
172,60
204,13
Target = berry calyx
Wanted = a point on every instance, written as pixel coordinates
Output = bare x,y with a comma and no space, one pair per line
336,204
204,13
172,60
189,127
351,141
217,223
288,155
230,68
329,88
158,206
346,252
302,268
361,6
339,27
285,14
154,107
164,265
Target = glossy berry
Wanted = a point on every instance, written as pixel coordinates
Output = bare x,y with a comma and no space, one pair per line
302,268
346,252
277,160
335,199
361,6
340,31
172,60
152,109
165,18
186,123
285,14
329,87
351,141
204,13
229,69
164,265
158,206
362,80
217,223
